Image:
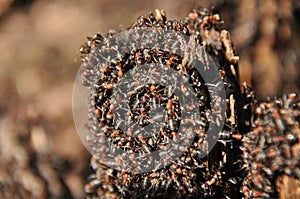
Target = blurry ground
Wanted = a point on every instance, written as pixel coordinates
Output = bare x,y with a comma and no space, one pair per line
40,152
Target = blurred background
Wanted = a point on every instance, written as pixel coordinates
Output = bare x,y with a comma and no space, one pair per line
41,155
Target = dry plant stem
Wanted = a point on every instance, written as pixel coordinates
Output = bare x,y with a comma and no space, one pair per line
288,187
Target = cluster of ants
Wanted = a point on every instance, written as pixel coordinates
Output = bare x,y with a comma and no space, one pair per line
256,144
